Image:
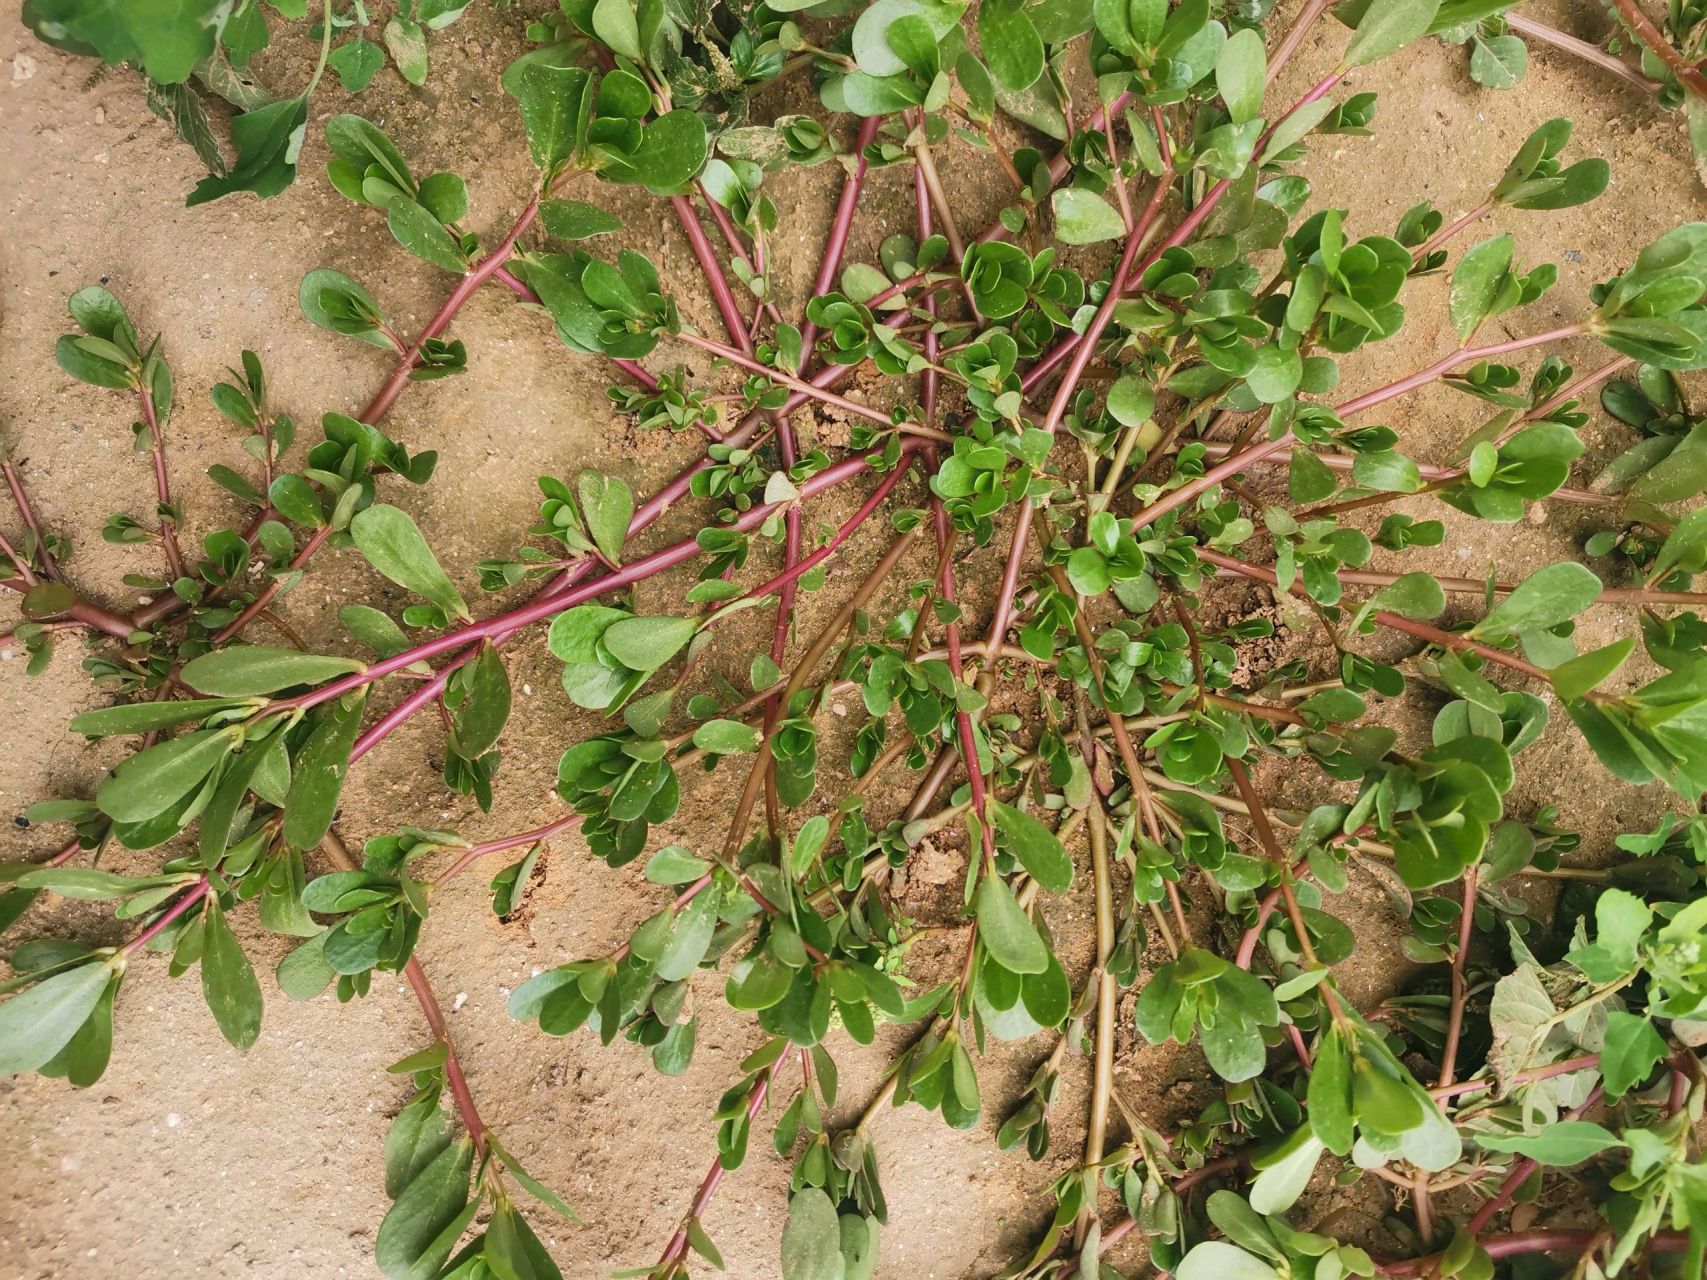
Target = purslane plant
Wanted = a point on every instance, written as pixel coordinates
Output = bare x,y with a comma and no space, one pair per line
1094,396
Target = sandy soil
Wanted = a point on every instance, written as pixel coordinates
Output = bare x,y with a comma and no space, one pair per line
190,1157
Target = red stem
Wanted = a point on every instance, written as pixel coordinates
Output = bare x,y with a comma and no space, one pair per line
1237,462
713,271
1580,1063
453,1064
1592,53
1082,353
316,540
21,500
465,289
1549,1241
1688,76
548,605
1447,232
92,615
162,482
1178,236
677,1249
1434,635
1520,1173
197,892
1460,989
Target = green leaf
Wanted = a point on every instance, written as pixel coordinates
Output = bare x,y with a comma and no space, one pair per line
375,630
1632,1050
362,145
575,633
394,546
1083,217
254,669
645,644
1564,1142
88,884
228,981
1546,598
1577,184
1275,373
1218,1260
85,366
1388,26
674,865
554,106
1131,401
140,717
1330,1094
1012,48
512,1251
317,775
576,219
165,38
46,599
305,972
1036,847
1498,62
428,1205
726,737
484,708
1386,470
1241,74
809,842
608,505
1573,679
1285,1173
1411,595
356,62
406,41
421,1131
37,1024
336,303
1009,936
152,781
689,938
534,1187
615,24
812,1238
1477,283
267,140
423,235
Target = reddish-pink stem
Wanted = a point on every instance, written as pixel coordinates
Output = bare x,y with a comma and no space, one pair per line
548,605
1422,631
465,289
1547,1241
1591,53
1179,235
1580,1063
1237,462
197,892
454,1076
162,482
26,512
1520,1174
1460,989
1082,353
713,271
315,541
1447,232
86,612
677,1249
